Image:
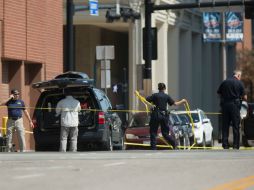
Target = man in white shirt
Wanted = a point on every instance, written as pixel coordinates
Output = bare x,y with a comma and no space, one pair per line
68,108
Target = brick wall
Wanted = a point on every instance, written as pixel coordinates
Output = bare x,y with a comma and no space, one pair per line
1,9
14,44
31,39
33,32
54,40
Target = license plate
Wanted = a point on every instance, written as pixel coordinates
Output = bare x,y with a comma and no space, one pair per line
146,142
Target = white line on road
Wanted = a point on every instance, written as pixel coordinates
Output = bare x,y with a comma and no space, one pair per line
28,176
114,164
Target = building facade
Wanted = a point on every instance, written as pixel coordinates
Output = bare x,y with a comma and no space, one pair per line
189,67
31,43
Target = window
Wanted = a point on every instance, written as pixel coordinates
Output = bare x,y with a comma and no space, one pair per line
104,101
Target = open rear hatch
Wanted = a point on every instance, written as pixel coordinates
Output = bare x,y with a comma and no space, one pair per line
65,80
54,92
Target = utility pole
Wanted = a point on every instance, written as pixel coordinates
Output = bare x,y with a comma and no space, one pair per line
69,62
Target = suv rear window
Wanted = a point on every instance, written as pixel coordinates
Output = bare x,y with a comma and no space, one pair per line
86,116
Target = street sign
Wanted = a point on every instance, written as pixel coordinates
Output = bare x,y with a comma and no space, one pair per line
93,6
105,52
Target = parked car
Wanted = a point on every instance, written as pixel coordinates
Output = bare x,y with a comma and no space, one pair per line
138,131
186,137
247,124
203,129
99,127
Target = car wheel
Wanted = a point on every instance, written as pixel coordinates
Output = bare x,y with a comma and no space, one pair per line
211,144
120,145
245,141
204,141
108,145
181,141
192,140
186,142
178,141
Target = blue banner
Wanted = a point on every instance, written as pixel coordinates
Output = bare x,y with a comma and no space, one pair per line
93,5
212,27
234,26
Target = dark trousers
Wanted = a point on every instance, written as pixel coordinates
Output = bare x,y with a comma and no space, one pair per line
158,119
230,115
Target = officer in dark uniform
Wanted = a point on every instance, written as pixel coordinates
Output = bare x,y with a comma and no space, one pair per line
231,92
160,116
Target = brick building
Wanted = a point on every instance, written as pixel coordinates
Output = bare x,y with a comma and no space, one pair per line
31,42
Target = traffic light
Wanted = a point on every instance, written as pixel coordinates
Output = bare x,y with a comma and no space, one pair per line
111,15
125,13
135,15
154,55
249,12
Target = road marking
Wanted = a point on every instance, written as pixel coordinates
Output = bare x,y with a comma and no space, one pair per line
241,184
114,164
28,176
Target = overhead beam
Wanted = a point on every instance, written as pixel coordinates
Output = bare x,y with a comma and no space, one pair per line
203,5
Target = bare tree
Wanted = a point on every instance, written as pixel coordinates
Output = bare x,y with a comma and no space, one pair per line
245,61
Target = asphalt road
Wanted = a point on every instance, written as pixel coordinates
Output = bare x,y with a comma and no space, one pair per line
122,170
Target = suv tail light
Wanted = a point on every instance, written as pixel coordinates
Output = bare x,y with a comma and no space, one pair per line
101,118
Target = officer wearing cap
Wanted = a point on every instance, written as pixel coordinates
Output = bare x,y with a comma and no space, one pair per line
159,115
15,121
231,93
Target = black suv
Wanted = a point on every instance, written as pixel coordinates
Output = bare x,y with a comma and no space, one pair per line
99,126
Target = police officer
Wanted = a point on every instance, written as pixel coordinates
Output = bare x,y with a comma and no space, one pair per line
231,93
159,115
15,107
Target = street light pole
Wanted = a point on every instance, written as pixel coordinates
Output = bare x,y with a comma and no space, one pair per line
69,62
224,49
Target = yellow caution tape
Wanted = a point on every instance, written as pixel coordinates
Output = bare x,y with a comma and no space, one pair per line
144,101
112,110
30,132
182,147
163,140
187,108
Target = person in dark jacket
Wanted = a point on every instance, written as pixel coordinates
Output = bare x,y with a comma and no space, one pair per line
231,93
160,116
15,121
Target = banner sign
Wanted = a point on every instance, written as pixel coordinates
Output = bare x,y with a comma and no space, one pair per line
93,6
212,27
234,26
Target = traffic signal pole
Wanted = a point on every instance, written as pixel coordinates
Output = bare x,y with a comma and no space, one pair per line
150,8
148,37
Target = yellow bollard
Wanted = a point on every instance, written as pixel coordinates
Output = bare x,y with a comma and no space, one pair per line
4,125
